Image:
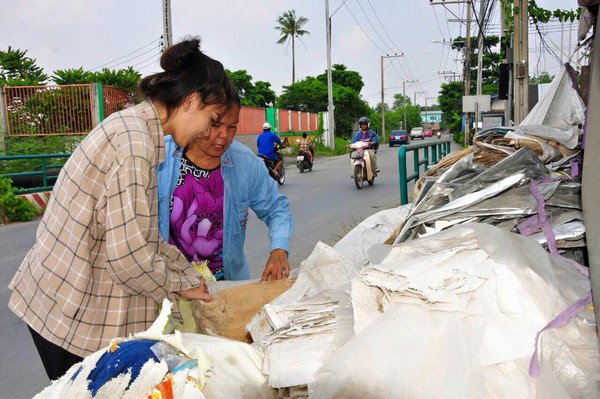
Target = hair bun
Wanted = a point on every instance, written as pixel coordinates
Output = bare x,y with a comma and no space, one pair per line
179,54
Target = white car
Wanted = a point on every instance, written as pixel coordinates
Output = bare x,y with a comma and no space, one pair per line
417,132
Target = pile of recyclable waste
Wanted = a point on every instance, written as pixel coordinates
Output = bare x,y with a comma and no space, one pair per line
476,290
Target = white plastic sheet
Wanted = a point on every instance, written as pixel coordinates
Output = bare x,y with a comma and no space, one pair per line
469,331
561,106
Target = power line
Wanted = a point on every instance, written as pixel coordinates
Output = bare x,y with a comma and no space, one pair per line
383,27
153,56
374,29
361,28
127,55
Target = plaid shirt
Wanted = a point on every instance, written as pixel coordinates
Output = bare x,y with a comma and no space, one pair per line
304,145
99,269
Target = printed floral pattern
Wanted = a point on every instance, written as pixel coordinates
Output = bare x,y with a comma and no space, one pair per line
197,216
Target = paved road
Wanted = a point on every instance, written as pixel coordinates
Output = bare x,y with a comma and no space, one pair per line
325,204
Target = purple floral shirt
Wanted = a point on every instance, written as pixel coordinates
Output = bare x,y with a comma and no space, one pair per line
196,223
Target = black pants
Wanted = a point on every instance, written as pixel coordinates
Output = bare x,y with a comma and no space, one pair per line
56,360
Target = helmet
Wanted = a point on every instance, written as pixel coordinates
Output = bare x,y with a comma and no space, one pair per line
363,119
266,126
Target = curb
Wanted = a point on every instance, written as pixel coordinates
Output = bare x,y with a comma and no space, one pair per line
38,200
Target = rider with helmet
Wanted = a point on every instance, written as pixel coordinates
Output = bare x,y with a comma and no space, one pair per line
265,143
367,135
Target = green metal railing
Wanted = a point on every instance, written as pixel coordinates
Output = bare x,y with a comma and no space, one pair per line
439,149
43,172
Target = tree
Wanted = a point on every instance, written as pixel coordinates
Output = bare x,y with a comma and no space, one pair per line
71,76
290,29
257,94
126,79
310,95
544,77
450,103
340,75
400,100
16,69
490,62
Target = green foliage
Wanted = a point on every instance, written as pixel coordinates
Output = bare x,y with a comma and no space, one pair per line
37,145
50,110
340,75
257,94
400,101
12,207
310,95
19,70
544,77
72,76
450,102
537,14
126,79
490,61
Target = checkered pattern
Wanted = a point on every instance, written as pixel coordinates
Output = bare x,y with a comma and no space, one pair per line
98,268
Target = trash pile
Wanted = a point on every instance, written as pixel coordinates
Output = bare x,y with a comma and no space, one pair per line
525,179
475,290
454,304
159,366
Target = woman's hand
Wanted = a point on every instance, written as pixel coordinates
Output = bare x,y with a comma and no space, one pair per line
277,267
199,292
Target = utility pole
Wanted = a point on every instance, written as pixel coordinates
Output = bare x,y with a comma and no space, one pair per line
330,139
426,109
521,59
482,5
167,28
415,96
404,99
467,68
382,134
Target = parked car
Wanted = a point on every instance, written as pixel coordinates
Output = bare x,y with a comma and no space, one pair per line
417,133
399,137
427,133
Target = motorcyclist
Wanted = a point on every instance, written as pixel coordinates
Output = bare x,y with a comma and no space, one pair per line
307,146
367,135
265,143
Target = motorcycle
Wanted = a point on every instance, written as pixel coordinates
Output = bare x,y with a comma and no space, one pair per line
361,164
304,161
439,135
279,174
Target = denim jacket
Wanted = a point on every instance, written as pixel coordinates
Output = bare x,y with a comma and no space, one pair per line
247,185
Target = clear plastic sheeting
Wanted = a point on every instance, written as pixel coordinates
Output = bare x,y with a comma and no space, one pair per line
456,315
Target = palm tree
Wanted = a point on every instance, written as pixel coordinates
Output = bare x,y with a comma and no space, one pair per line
290,29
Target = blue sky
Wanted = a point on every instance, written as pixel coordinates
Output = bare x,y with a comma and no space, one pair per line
240,33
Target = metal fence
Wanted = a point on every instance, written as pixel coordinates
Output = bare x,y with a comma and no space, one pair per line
47,110
60,109
115,100
432,152
41,179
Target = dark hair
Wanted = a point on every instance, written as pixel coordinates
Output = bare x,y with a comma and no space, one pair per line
234,97
187,70
304,135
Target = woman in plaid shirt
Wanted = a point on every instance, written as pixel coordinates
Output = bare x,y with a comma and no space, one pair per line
99,268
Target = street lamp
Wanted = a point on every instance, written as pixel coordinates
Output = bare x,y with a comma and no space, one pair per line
404,98
330,139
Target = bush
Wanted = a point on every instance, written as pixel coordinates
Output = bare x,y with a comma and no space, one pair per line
12,207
